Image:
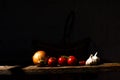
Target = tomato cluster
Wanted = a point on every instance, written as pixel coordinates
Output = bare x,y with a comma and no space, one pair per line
62,61
53,61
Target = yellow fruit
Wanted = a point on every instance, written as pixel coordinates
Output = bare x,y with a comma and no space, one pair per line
39,57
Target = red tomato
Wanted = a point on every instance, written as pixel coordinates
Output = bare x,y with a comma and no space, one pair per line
72,60
62,60
52,61
82,62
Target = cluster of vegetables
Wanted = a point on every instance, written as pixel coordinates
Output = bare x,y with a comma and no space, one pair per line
41,59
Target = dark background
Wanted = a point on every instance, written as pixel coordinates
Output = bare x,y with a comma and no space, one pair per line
26,24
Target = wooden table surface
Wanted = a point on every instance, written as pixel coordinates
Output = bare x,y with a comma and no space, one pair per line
33,69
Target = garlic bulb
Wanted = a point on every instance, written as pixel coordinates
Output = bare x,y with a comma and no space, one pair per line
95,59
89,60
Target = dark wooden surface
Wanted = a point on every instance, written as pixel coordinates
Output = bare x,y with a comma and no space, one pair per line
34,70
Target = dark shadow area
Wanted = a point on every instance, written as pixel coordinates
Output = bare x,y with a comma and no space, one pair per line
79,48
60,27
87,76
17,71
51,77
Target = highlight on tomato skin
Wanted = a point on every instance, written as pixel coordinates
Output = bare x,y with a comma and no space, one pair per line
72,60
62,60
52,61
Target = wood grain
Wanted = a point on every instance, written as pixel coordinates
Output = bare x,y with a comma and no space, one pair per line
33,69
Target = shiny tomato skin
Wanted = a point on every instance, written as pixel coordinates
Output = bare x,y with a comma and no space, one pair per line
72,60
62,61
52,61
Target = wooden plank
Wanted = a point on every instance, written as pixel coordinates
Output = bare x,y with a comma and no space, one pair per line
73,69
33,69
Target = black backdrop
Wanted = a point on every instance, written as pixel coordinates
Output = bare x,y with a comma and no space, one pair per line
24,25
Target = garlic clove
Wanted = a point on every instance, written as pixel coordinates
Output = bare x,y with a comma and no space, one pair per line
89,60
95,58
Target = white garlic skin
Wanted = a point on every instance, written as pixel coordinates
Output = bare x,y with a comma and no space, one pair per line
95,59
92,60
89,60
